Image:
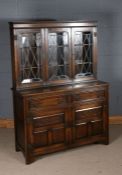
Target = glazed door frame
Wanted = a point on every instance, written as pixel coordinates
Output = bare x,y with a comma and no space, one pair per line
93,31
64,46
67,51
27,34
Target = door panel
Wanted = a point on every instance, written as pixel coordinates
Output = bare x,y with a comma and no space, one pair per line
83,53
81,131
88,123
58,135
30,57
97,127
40,139
59,54
49,129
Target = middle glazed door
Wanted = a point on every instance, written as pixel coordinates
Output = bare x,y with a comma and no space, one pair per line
58,55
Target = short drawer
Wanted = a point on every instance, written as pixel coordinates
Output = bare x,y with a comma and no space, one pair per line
89,94
48,121
44,102
88,114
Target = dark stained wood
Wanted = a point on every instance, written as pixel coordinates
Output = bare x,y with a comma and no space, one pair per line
59,114
51,24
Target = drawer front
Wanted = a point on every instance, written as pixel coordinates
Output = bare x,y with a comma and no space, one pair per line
89,95
44,102
49,120
88,114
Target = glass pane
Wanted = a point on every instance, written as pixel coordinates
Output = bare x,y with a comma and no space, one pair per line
83,54
58,63
58,72
30,57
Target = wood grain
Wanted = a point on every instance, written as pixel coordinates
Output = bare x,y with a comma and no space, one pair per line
9,123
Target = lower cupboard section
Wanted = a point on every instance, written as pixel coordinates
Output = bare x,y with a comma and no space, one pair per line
56,139
57,131
60,147
59,120
60,135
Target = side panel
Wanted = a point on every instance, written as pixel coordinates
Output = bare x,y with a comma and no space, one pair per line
19,123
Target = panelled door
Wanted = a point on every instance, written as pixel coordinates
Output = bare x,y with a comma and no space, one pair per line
48,123
88,123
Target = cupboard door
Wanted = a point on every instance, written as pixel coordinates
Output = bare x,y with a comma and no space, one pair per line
47,130
58,55
29,57
88,122
84,53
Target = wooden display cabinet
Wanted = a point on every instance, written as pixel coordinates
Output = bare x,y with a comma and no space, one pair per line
58,101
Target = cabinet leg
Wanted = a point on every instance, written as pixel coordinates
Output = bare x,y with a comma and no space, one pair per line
106,141
17,148
29,159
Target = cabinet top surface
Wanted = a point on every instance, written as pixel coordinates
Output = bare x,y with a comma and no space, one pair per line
50,23
65,88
